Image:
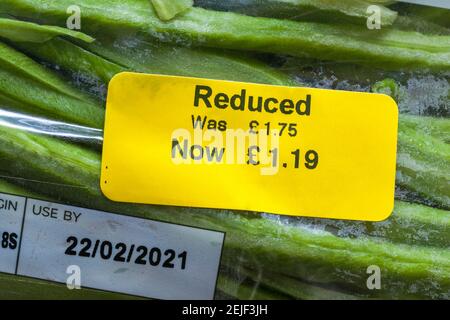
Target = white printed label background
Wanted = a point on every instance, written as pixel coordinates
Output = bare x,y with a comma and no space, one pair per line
11,214
44,243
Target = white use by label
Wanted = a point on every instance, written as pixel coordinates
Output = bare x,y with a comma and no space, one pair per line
114,252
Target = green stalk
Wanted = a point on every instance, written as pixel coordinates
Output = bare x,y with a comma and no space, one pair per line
104,58
434,15
73,58
22,288
11,103
71,174
291,286
341,263
35,89
411,224
247,291
9,188
23,65
420,24
423,164
436,127
385,48
22,31
155,57
316,10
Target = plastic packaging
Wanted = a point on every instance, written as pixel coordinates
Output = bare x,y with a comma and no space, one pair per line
52,95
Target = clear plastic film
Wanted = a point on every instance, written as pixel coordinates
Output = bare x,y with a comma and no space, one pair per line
53,88
42,126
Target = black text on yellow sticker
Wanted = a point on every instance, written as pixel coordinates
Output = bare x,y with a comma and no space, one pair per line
220,144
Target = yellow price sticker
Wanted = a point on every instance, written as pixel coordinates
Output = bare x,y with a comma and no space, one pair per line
231,145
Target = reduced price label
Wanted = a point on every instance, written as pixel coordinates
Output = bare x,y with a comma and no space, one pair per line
221,144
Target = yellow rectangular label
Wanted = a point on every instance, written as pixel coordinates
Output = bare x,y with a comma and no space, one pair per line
233,145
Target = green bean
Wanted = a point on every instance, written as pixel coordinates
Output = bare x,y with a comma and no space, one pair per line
411,224
315,10
21,64
24,288
247,291
439,16
156,57
104,58
33,88
200,27
10,188
291,286
73,58
436,127
22,31
423,165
